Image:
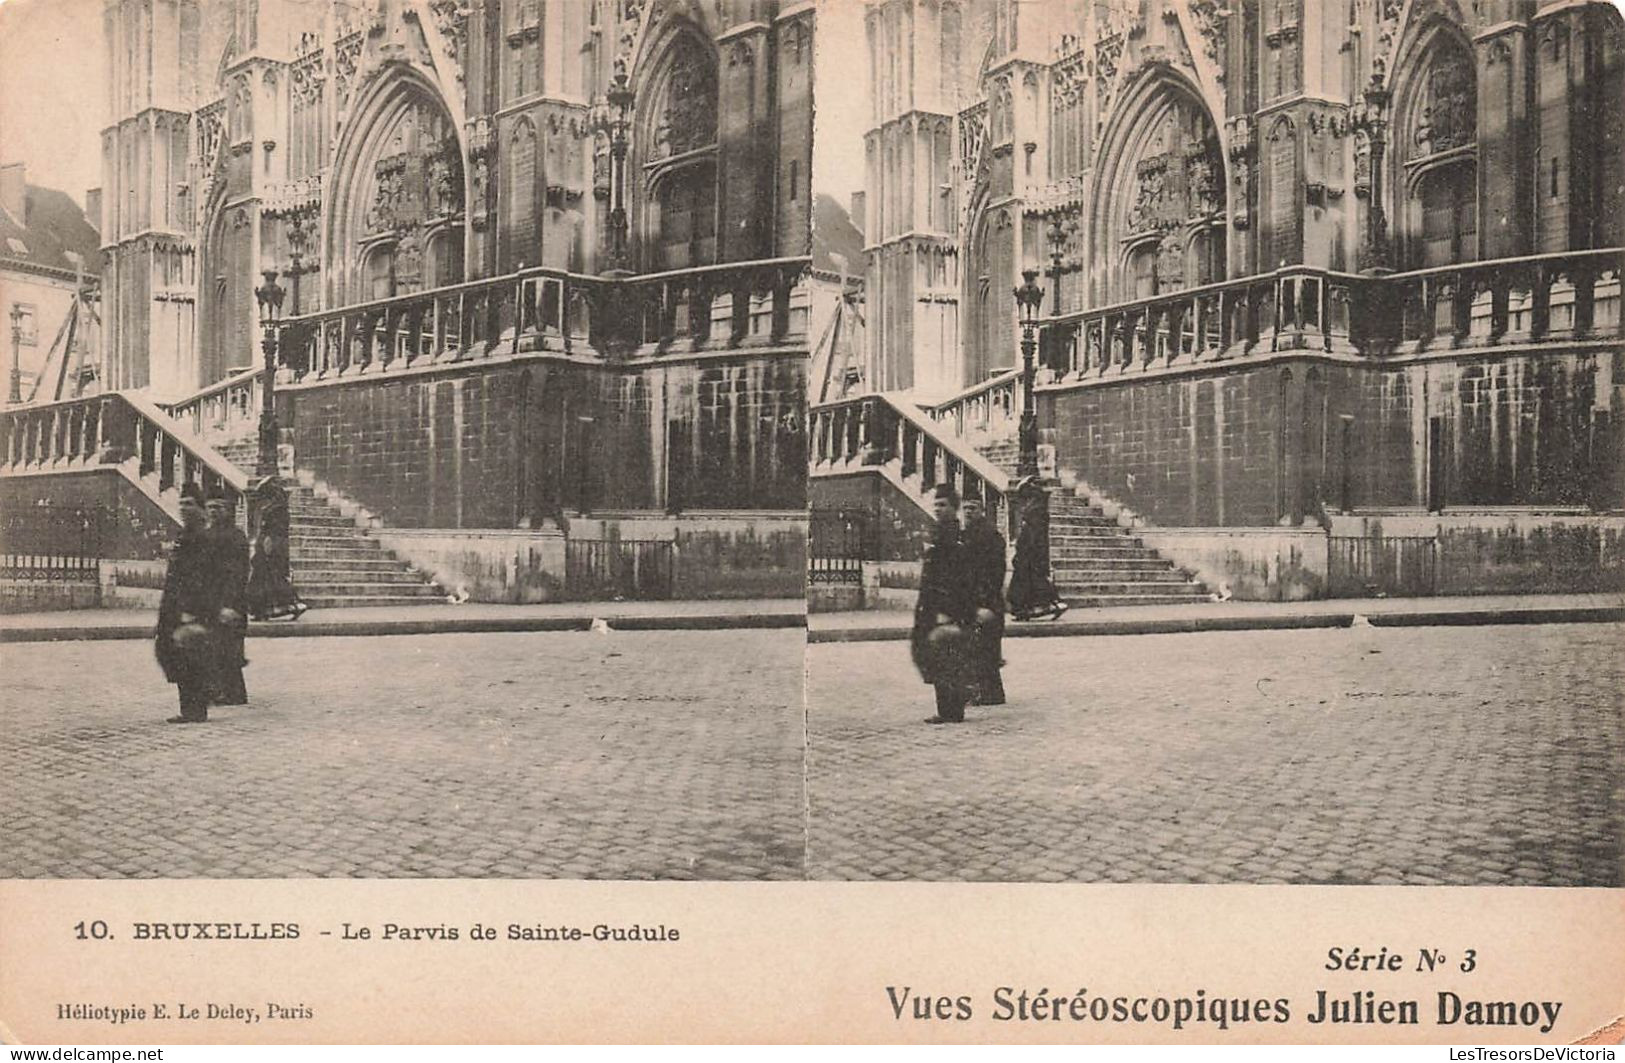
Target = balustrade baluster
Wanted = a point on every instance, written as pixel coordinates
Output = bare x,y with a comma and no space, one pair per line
1540,322
521,312
739,308
567,316
1584,279
166,460
783,288
92,430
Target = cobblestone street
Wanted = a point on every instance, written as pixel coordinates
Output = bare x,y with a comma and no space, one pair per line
673,755
1477,755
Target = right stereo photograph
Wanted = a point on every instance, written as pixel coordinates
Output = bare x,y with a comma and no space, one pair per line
1216,462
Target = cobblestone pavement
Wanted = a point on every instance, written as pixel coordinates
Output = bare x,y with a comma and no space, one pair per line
1487,755
674,755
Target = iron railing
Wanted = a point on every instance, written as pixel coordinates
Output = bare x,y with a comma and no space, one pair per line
838,542
53,542
1366,567
619,569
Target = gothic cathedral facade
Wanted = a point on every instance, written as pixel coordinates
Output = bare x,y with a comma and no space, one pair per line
368,149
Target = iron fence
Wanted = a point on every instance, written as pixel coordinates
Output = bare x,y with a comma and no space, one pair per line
1400,567
619,569
837,545
54,543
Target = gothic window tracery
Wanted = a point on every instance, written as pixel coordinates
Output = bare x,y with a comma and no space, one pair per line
1172,203
414,189
688,113
681,163
1437,140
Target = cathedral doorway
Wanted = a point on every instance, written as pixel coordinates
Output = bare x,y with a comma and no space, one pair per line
1437,146
1159,218
679,167
397,223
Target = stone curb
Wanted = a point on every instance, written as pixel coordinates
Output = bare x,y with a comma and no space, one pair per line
727,622
1195,624
467,625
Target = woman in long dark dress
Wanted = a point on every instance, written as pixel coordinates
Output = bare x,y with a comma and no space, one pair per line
1032,591
270,585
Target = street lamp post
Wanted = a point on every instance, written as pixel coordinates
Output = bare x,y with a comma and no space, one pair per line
16,395
1058,236
618,123
1029,298
269,297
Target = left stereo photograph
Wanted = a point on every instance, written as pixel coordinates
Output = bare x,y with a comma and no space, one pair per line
403,463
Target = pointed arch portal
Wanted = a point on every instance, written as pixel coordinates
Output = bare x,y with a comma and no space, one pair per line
396,216
1159,209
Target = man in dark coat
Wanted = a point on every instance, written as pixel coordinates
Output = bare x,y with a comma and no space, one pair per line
943,613
188,613
985,561
229,552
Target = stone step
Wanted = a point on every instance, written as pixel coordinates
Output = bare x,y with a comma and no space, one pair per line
348,577
325,537
317,519
1124,563
1084,601
1100,546
1096,581
363,560
1081,520
1076,509
1170,588
1059,534
332,601
358,550
372,589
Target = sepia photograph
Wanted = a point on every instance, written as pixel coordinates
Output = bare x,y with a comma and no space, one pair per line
811,520
1265,358
404,455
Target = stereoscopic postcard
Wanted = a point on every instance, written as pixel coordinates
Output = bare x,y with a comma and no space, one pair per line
812,521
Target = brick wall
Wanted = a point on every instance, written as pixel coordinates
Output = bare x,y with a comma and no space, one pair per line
897,527
516,444
1277,443
1181,452
141,526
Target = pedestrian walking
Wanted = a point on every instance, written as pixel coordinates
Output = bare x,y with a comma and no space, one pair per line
271,594
188,613
943,613
984,553
228,548
1032,589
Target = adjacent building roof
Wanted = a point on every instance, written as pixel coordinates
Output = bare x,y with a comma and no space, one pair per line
837,243
51,226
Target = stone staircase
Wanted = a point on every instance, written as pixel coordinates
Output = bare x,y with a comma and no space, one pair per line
334,563
1095,561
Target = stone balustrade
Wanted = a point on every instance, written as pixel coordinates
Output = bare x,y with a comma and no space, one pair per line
614,318
1567,296
116,429
225,410
1570,296
878,431
988,411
